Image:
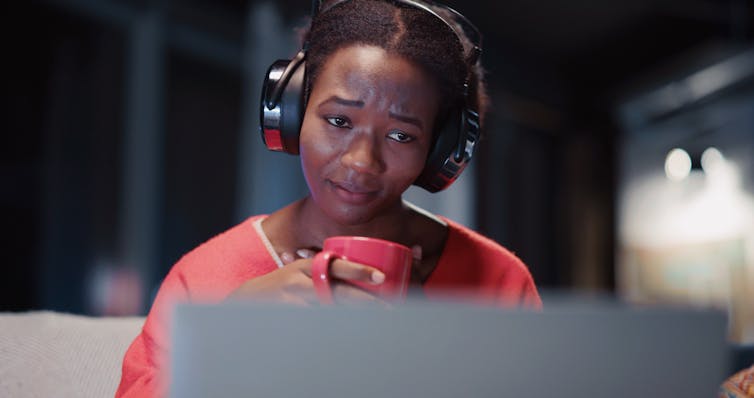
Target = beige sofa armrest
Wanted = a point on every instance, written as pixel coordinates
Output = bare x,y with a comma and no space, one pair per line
49,354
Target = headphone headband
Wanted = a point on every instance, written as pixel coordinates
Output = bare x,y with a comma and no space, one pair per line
469,30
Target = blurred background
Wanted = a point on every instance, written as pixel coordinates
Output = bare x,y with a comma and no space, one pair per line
618,157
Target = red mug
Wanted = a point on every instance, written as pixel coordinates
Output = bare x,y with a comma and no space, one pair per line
393,259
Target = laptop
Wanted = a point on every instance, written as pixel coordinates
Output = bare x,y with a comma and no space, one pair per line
443,350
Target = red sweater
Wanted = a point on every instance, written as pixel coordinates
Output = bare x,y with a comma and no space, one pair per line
470,263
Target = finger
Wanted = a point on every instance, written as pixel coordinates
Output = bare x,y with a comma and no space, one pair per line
287,258
301,285
416,252
297,300
304,265
305,253
344,293
302,288
351,271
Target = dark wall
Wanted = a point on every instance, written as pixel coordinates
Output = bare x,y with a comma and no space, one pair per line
60,161
546,185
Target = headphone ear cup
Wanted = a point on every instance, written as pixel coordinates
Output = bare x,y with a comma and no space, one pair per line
452,150
439,171
281,118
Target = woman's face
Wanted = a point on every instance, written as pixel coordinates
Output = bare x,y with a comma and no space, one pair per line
366,132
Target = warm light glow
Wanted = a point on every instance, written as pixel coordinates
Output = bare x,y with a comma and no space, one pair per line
677,164
712,161
704,207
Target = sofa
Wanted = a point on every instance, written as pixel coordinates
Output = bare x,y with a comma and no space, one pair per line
51,354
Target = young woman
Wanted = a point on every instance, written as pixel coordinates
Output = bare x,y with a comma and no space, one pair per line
387,85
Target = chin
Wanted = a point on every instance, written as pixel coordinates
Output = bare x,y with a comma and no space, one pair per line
344,213
354,215
351,216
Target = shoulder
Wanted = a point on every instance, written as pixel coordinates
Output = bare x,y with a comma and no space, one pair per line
474,262
465,241
221,263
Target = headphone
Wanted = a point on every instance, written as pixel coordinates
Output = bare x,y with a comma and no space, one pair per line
283,93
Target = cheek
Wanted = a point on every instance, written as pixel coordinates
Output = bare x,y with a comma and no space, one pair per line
407,166
316,151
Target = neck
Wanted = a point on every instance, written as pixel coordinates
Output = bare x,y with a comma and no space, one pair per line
313,226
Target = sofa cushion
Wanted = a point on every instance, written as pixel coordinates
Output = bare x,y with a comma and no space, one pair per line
50,354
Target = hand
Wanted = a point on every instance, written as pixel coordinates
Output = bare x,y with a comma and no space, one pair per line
293,284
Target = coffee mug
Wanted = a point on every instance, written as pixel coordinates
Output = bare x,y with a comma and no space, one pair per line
393,259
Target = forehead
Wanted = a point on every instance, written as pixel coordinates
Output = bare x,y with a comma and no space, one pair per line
371,74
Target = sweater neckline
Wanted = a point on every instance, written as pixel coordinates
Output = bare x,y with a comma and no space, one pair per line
266,241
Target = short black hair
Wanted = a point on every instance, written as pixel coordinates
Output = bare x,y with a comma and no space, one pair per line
404,30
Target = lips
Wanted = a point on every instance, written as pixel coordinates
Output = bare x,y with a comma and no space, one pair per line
353,193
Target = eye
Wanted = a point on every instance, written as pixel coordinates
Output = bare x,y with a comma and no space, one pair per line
338,121
400,136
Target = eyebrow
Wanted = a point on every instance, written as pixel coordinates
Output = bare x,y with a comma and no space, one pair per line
343,101
360,104
407,119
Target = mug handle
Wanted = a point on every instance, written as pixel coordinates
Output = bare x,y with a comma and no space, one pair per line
321,276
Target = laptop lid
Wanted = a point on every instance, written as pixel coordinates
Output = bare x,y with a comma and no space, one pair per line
239,350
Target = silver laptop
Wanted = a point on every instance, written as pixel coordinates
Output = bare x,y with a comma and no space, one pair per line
436,350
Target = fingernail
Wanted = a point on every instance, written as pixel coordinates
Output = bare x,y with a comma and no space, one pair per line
286,257
416,251
378,277
304,253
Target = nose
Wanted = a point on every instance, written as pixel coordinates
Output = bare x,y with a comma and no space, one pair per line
362,155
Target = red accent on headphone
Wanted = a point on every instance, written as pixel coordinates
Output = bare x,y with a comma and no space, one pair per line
273,140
